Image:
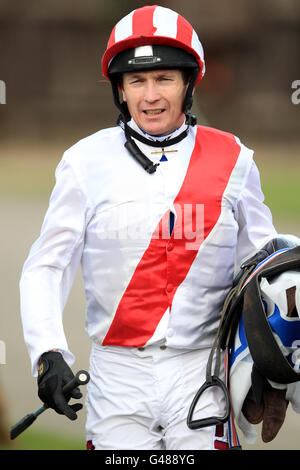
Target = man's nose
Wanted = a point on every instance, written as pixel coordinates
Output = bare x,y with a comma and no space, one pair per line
151,92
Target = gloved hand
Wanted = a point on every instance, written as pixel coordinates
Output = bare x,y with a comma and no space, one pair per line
54,373
271,411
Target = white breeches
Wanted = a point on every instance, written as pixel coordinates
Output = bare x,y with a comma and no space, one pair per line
140,398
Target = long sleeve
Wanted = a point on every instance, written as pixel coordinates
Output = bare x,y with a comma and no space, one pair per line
51,266
254,218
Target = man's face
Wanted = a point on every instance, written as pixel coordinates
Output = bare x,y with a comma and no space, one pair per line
154,99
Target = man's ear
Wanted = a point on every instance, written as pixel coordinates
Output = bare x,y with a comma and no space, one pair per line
123,95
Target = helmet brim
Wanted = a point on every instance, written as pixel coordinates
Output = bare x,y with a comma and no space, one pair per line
164,57
133,42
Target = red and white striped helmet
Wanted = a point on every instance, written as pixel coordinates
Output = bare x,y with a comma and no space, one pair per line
153,25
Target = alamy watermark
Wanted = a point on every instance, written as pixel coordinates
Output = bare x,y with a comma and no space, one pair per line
2,92
2,352
295,97
140,222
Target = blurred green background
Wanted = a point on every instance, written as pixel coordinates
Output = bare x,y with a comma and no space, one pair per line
50,54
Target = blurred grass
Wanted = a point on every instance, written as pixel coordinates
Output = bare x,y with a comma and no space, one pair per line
279,167
282,193
26,178
42,440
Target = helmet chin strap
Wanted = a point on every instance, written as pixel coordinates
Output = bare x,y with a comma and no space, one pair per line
191,120
130,133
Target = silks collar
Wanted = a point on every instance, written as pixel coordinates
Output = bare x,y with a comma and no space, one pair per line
131,129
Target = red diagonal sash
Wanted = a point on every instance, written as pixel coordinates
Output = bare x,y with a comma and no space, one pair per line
167,261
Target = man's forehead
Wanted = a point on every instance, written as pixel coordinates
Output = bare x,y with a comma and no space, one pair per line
151,72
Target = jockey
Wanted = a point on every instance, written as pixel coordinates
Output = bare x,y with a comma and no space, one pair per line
160,212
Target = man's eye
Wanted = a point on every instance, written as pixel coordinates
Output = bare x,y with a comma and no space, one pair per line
137,80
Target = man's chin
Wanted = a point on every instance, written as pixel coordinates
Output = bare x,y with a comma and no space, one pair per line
155,129
158,126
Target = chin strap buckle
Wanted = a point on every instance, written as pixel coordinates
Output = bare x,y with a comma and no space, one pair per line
191,119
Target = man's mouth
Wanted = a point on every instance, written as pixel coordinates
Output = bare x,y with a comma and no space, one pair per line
153,111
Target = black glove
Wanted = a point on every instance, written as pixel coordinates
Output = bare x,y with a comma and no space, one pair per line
54,373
